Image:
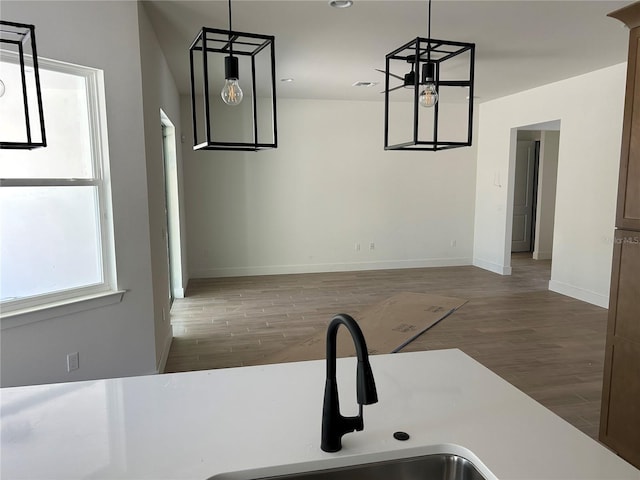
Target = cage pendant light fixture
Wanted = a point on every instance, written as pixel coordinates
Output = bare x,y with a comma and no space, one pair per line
233,90
21,114
432,107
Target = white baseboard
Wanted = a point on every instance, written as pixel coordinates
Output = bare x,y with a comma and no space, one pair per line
165,353
579,293
491,266
328,267
542,255
178,293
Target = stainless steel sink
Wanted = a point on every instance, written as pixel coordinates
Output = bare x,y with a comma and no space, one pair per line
426,467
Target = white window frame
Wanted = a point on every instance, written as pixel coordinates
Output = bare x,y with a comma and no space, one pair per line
41,307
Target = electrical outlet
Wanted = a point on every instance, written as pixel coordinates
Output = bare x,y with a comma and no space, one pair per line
357,247
372,246
453,243
73,361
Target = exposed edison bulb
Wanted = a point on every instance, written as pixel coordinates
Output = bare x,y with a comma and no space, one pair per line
2,88
429,96
231,92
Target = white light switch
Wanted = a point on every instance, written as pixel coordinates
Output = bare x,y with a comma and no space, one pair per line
73,361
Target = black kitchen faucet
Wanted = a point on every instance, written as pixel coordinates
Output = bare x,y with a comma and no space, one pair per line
334,425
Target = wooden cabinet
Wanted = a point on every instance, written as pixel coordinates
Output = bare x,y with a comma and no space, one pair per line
628,215
620,413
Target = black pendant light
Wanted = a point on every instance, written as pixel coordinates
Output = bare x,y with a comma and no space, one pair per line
21,117
226,115
415,121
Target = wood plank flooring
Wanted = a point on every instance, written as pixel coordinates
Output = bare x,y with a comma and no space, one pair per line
548,345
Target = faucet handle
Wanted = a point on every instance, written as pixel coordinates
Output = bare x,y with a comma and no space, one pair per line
353,424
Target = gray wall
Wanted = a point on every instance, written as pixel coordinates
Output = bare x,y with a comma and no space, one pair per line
115,340
159,92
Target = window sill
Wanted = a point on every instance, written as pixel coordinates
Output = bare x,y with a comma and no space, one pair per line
25,316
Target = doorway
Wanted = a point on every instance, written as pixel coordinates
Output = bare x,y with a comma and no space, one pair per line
534,169
172,211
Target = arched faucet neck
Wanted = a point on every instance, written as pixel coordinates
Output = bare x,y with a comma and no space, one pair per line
332,336
334,425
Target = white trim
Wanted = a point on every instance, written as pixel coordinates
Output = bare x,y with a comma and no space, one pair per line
328,267
579,293
162,364
492,266
96,103
49,182
511,179
46,300
172,204
61,308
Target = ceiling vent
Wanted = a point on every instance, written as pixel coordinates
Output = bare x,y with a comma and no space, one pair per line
364,84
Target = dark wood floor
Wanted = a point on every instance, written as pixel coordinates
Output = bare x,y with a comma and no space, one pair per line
548,345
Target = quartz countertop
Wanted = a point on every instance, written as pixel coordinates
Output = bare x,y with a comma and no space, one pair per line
196,425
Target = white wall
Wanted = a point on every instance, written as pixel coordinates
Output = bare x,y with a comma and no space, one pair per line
328,186
589,154
115,340
158,92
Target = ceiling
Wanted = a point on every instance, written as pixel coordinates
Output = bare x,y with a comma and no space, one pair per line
519,44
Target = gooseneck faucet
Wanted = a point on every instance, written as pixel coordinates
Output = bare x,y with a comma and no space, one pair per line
334,425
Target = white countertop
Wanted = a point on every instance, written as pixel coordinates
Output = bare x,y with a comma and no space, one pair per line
198,424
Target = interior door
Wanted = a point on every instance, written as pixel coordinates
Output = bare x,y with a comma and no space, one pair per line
523,196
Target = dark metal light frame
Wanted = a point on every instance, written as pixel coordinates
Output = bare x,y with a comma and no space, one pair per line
418,53
211,41
22,37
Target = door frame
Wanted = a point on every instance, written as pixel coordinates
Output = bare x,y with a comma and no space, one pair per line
547,125
171,196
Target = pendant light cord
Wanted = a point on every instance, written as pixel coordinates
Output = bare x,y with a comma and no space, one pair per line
428,34
230,29
429,31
